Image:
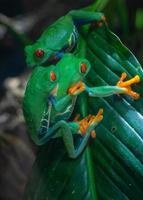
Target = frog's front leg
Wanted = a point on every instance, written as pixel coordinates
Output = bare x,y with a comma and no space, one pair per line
65,101
82,17
122,87
61,104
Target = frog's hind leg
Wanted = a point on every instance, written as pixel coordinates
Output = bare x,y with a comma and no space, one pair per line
67,135
66,130
86,127
82,17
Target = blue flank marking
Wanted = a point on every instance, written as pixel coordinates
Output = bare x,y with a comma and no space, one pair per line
52,99
88,90
80,22
59,54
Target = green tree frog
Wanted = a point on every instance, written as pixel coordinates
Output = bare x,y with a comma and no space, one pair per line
59,38
50,99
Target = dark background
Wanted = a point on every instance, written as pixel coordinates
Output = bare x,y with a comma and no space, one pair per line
17,153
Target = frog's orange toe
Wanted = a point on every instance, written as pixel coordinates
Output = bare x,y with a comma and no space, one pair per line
77,88
90,120
133,94
99,115
76,118
93,134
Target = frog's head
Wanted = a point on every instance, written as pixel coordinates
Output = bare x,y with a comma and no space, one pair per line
37,54
46,80
59,38
72,70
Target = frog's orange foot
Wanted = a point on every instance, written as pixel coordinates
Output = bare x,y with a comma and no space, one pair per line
127,85
77,88
98,24
76,118
99,115
88,121
93,134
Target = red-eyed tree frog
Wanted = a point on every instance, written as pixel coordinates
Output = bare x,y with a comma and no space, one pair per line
59,38
50,99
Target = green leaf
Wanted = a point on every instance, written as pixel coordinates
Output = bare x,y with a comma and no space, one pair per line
111,167
98,5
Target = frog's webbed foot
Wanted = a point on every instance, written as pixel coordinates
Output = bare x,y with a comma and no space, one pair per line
97,24
77,88
89,121
76,118
127,85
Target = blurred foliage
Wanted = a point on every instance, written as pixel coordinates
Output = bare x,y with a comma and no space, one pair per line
139,19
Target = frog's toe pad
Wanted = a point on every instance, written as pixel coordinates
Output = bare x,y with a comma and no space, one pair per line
93,134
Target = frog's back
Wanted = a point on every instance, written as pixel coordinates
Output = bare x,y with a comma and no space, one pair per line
33,106
59,32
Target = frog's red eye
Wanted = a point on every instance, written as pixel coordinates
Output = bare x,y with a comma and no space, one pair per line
53,76
83,68
39,53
